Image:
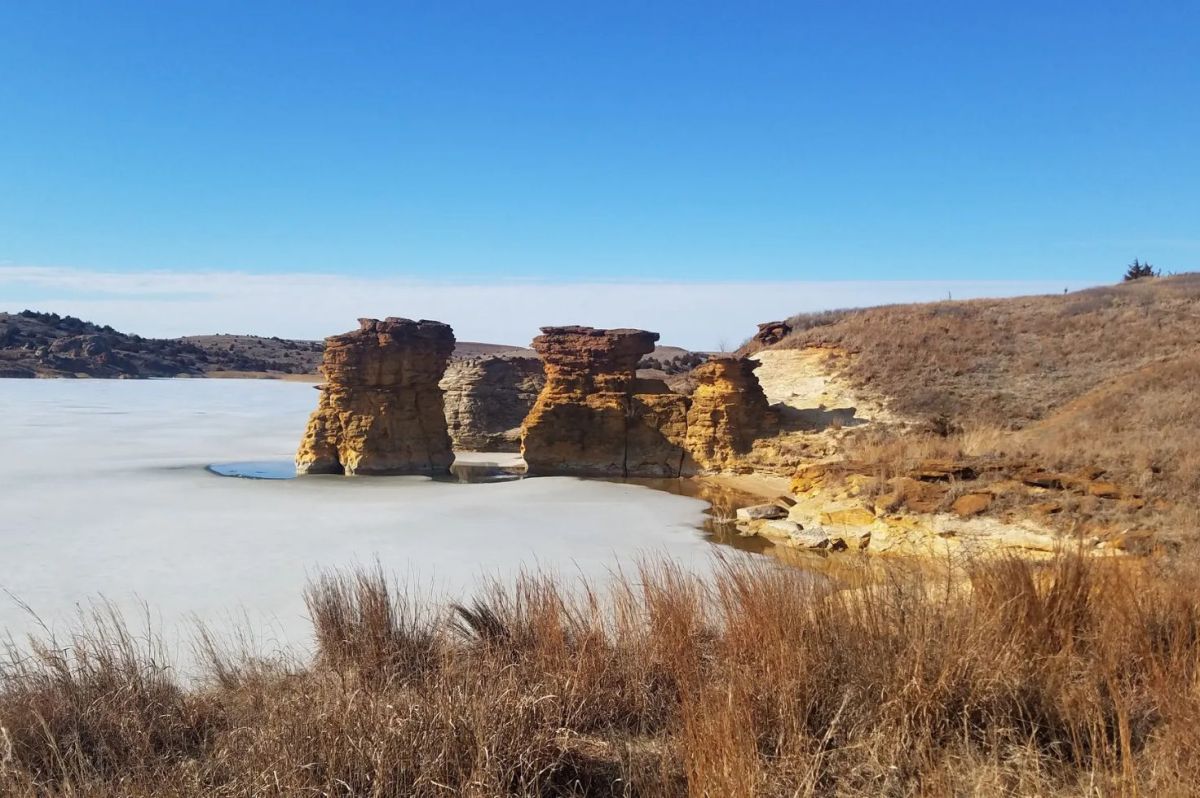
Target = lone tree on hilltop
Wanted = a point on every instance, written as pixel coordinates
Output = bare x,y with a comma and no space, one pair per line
1137,271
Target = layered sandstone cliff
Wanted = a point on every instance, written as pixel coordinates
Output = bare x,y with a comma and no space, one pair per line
594,417
487,398
655,439
579,423
381,410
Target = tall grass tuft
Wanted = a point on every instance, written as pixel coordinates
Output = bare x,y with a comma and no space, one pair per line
362,624
1070,677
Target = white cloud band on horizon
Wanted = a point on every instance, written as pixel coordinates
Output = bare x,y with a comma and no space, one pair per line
697,315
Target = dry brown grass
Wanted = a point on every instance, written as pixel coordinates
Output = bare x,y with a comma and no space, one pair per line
1007,362
1073,677
1145,424
1107,378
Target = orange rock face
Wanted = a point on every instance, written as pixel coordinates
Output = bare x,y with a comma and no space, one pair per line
971,504
381,410
580,421
656,436
594,417
729,412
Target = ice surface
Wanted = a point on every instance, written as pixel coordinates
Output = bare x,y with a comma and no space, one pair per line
104,493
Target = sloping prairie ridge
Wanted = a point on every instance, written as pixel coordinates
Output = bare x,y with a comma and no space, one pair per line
1106,380
1008,362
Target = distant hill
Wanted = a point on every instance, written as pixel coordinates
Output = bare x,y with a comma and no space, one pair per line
253,353
48,345
469,349
34,344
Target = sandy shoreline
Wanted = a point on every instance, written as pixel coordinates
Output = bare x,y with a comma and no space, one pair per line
262,375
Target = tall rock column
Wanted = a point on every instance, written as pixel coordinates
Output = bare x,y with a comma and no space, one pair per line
381,410
729,412
581,420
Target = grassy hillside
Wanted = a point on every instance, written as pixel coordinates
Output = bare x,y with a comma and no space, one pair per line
1105,380
1008,362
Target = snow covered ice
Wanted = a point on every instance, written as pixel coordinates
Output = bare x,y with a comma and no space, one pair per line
104,493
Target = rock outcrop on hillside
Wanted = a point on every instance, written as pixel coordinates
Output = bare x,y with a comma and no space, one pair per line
729,411
487,398
772,332
258,354
594,417
381,409
49,345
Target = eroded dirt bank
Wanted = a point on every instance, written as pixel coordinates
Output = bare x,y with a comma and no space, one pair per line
811,488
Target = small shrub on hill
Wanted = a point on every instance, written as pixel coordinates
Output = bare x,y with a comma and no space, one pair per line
1137,271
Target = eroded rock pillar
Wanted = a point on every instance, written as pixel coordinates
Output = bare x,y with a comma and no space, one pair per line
381,410
590,418
729,411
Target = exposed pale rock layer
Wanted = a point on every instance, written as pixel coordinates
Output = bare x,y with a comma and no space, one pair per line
381,409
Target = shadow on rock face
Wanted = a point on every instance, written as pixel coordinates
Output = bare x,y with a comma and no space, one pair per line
816,419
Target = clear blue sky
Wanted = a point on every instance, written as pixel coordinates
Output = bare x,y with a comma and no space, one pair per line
797,140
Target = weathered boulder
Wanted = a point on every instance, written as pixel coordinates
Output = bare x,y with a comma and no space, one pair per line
772,332
487,398
581,420
380,410
780,528
971,504
761,512
794,535
729,412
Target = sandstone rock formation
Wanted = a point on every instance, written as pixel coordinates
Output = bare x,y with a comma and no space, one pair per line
962,504
380,410
772,332
656,434
580,421
487,398
594,417
729,412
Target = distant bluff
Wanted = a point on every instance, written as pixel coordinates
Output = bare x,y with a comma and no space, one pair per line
36,344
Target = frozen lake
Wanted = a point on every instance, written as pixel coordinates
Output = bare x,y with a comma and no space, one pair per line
104,493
